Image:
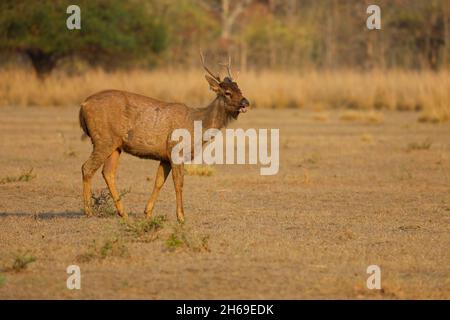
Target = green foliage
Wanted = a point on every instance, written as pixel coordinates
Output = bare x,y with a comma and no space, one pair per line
113,248
23,177
22,261
113,32
145,230
173,242
183,238
301,33
104,249
190,25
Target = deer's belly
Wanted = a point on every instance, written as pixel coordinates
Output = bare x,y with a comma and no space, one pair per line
149,145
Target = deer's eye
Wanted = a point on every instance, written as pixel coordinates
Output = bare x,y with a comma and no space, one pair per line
228,93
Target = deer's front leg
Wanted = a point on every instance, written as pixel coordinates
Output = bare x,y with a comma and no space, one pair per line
178,176
161,176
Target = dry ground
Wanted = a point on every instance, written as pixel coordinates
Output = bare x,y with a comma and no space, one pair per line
350,193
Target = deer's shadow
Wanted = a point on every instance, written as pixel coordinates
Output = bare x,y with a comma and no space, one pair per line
43,215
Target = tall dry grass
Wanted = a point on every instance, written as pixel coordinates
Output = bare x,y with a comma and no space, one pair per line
392,90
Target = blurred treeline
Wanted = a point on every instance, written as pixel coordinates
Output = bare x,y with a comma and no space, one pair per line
258,34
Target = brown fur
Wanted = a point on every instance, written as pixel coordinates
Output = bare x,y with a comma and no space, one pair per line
119,121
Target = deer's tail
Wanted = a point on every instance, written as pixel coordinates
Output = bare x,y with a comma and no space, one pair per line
83,125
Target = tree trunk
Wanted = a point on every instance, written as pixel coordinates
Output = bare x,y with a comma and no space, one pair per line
43,63
229,16
331,36
243,56
226,25
446,36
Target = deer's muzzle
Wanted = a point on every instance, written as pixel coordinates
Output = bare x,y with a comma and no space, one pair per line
243,105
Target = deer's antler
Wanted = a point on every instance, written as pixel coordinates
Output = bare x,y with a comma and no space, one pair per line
216,77
228,66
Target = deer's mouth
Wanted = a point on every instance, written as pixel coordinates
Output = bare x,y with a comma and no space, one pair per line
244,104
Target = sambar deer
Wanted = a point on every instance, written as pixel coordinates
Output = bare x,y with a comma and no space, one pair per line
119,121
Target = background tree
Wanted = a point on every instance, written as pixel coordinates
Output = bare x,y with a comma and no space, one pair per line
282,34
113,32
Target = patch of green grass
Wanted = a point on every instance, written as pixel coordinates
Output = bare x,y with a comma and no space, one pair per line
22,261
425,145
103,204
108,248
2,280
180,238
145,230
23,177
113,248
173,242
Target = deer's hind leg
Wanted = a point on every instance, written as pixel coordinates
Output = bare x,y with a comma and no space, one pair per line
96,159
178,179
109,174
161,176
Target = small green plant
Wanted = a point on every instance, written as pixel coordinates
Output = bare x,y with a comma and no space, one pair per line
108,248
2,280
425,145
23,177
22,261
173,242
113,248
103,204
145,230
180,238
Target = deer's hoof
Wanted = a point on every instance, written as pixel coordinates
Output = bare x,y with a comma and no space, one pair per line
148,215
123,215
180,219
88,212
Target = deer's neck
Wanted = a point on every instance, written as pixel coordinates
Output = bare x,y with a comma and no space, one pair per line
214,115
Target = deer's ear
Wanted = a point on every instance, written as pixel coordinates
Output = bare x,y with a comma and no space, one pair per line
213,84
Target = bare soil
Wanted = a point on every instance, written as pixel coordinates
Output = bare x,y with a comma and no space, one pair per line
349,194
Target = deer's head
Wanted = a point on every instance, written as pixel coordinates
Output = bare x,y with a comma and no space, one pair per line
227,90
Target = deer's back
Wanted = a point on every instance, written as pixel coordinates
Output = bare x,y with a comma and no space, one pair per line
138,124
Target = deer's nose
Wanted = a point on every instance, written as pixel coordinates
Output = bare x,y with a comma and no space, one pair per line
244,102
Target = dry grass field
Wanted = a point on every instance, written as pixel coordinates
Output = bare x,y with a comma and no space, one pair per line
426,91
354,189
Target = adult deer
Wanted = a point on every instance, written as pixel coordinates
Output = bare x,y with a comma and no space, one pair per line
119,121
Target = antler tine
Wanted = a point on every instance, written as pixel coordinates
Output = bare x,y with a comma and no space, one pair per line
216,77
228,66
